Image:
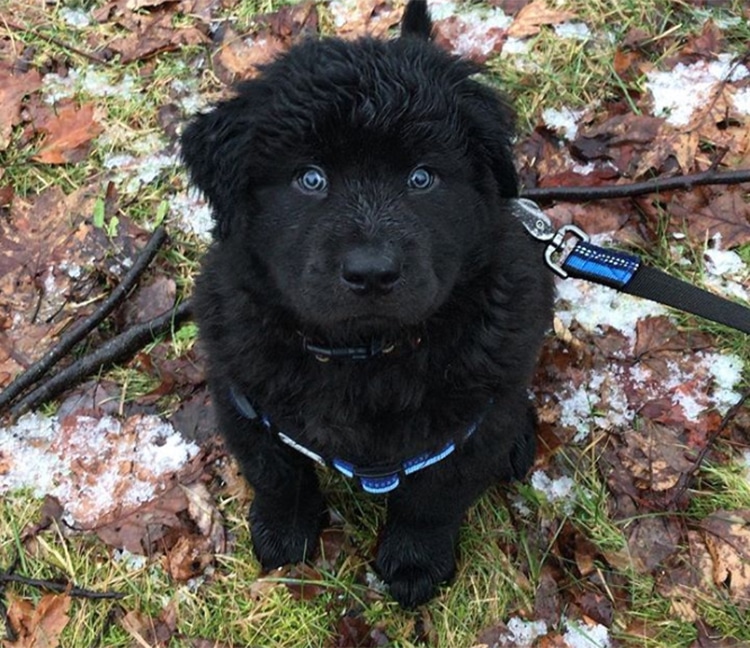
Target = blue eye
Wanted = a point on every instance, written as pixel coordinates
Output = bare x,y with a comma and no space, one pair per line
312,180
420,179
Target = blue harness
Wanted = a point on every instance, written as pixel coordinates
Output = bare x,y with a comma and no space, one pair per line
373,479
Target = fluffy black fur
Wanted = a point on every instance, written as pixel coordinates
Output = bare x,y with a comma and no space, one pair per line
364,247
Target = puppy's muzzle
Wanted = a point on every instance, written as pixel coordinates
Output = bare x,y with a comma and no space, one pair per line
370,271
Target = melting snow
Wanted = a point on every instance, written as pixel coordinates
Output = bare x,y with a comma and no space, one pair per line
192,213
87,80
522,633
576,30
594,306
701,77
75,17
555,490
578,635
563,121
92,466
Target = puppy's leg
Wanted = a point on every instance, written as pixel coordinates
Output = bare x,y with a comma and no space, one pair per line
418,547
288,510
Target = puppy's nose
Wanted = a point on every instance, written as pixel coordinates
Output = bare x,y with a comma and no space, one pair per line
370,271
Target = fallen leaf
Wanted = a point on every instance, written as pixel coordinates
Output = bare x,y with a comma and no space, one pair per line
153,33
203,511
534,16
147,631
188,557
239,55
68,135
14,86
40,626
722,212
727,538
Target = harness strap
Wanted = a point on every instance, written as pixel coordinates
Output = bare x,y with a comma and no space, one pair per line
377,480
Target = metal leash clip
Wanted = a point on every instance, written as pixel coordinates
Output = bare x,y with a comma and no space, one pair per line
539,226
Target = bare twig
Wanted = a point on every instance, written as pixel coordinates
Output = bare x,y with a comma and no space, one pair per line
50,39
119,347
53,586
81,329
683,183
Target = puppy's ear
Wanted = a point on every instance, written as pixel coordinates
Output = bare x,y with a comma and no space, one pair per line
212,150
493,122
416,21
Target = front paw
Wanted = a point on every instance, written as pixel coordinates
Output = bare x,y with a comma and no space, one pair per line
414,564
281,537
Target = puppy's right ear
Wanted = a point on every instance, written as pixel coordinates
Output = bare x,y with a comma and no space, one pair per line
416,21
212,150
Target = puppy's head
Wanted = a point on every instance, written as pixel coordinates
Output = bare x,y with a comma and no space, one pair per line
363,179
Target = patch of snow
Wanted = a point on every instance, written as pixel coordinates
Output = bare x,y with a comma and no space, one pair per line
192,213
702,77
134,171
75,17
578,635
522,633
481,28
594,306
563,121
89,80
132,562
726,372
92,466
741,101
23,461
516,46
575,30
555,490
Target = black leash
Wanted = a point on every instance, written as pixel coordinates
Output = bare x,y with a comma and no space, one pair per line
623,271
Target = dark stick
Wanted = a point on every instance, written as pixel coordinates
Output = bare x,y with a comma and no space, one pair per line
685,182
121,346
78,592
688,475
59,43
81,329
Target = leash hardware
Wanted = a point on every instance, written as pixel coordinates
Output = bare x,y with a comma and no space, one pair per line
558,243
536,222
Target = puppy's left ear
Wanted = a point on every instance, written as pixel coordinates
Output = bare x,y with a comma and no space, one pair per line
416,20
212,150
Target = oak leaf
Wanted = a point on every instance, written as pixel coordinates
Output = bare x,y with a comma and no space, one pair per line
68,134
532,17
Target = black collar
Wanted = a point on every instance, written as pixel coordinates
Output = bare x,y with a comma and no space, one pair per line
377,347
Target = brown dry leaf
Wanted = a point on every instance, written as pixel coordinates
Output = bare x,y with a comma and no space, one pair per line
359,17
532,17
303,581
68,135
188,558
239,55
153,33
13,88
687,578
654,456
40,626
147,631
710,212
652,540
202,510
727,538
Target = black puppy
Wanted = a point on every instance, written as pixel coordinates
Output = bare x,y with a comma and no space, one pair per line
369,302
